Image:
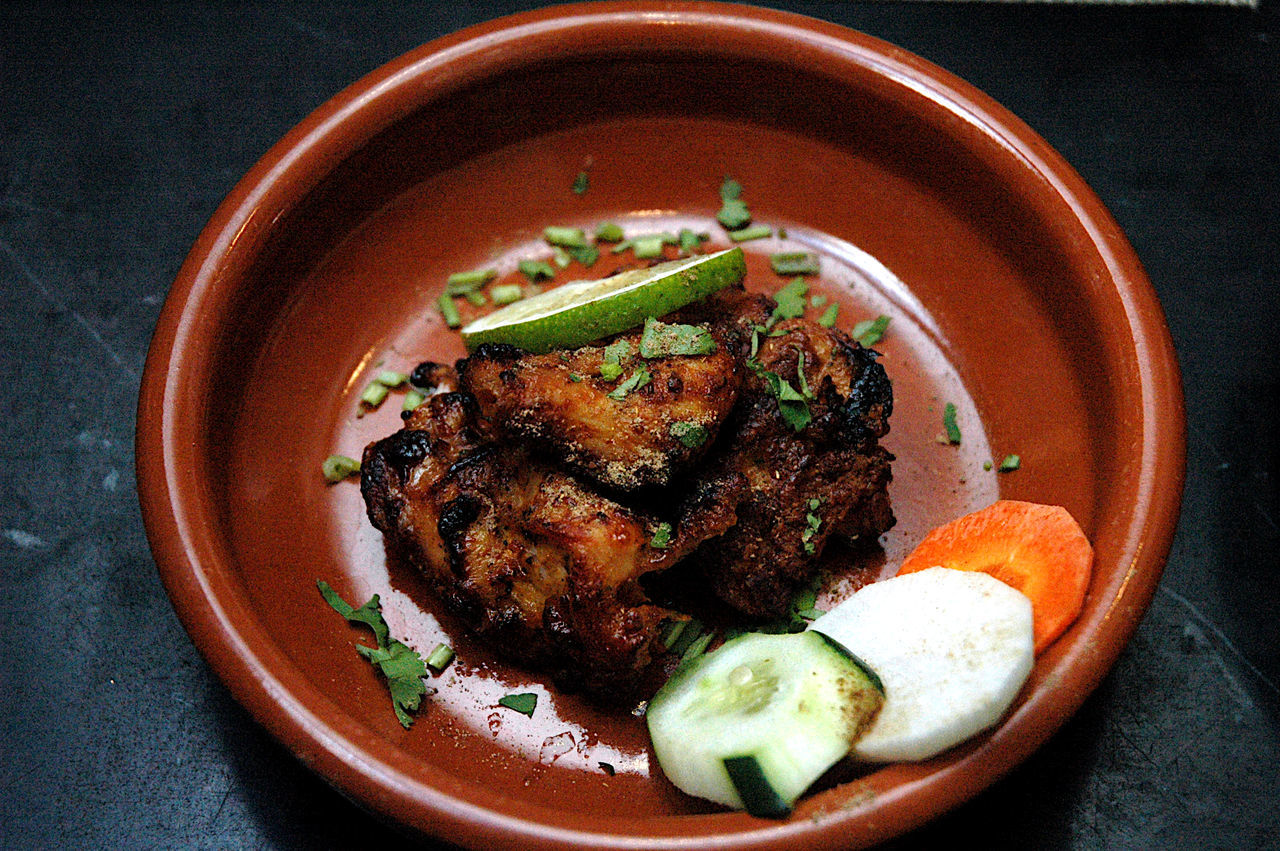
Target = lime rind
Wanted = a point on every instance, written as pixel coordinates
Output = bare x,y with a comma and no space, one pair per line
580,312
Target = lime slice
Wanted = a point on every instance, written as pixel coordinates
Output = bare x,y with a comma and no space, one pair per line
581,311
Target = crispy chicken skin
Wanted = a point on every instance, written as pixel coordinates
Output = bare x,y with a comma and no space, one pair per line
801,487
531,501
559,404
534,560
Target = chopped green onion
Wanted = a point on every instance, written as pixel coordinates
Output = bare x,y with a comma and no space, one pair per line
390,378
622,246
647,247
565,236
476,298
660,340
817,300
696,649
440,657
506,293
828,317
869,331
684,637
949,423
1010,463
535,270
753,232
449,311
560,257
608,232
661,536
374,394
581,183
523,703
461,283
691,434
794,263
412,400
338,467
671,632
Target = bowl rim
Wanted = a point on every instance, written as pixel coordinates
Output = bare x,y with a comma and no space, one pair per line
370,769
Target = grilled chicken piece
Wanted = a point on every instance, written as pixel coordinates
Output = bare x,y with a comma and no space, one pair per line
830,477
534,560
642,426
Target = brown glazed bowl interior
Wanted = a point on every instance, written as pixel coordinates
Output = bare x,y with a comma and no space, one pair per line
1012,294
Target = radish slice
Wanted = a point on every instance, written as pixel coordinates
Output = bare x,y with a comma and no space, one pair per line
953,649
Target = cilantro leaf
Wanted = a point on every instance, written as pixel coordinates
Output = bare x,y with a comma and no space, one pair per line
660,340
689,433
523,703
790,301
400,664
1010,463
638,379
828,317
661,536
869,331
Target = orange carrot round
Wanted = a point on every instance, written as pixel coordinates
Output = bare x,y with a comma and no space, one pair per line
1038,549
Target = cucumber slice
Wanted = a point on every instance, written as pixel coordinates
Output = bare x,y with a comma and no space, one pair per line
752,724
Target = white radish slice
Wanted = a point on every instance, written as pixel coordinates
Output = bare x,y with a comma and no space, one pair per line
952,647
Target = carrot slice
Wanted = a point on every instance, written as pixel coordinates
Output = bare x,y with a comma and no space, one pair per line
1038,549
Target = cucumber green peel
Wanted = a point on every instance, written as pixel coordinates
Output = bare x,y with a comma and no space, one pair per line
754,723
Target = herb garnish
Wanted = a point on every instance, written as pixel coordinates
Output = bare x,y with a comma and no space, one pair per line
1010,463
523,703
400,664
535,270
440,657
338,467
449,311
869,331
812,524
733,210
506,294
587,255
789,263
689,433
753,232
949,423
661,538
661,340
608,232
828,317
581,183
565,236
790,301
638,379
616,355
690,240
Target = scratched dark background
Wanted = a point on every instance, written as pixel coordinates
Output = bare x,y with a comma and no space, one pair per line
122,126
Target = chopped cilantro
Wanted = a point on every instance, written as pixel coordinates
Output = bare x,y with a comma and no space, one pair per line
400,664
610,371
608,232
338,467
661,536
660,340
638,379
616,355
733,210
523,703
789,263
581,183
1010,463
689,240
869,331
790,301
575,378
828,317
587,255
535,270
949,423
691,434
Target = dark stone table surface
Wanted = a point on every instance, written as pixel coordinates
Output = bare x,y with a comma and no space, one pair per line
122,126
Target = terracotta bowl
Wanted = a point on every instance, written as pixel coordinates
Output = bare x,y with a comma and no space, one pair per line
1012,294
